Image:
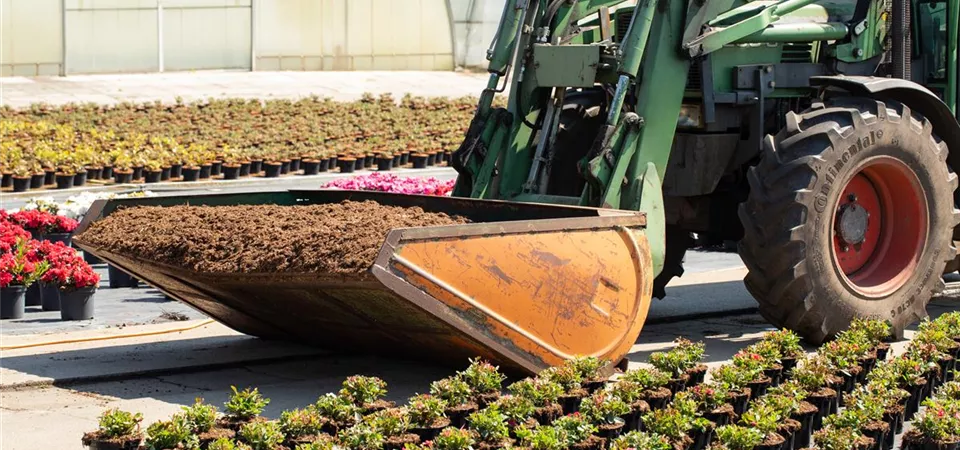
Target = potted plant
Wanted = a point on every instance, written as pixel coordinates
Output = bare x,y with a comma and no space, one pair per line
337,411
877,333
578,433
770,358
242,407
300,426
119,430
489,428
169,434
844,356
202,420
427,417
591,372
485,381
671,423
453,439
366,393
570,380
737,437
261,434
606,411
812,375
360,437
701,429
787,344
713,402
864,413
78,283
636,440
764,418
756,364
784,406
384,161
458,397
839,438
653,382
519,412
21,174
790,399
544,394
937,427
59,257
631,393
735,379
17,273
153,170
393,424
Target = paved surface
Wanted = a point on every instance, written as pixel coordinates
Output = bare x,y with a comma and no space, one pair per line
19,92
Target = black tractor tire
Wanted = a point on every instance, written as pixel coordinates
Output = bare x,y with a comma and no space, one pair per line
677,243
792,247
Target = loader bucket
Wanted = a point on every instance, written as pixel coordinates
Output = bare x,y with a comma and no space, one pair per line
524,285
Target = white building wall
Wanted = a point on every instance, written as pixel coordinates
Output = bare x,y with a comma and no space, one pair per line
475,25
30,37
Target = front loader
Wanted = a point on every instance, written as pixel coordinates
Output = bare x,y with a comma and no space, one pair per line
817,134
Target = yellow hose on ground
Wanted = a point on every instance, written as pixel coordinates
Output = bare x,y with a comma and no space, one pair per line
104,338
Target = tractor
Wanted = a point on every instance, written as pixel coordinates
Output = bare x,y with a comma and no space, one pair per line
822,136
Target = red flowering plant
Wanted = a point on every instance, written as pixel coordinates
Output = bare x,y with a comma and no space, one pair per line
74,274
10,233
58,255
16,269
43,222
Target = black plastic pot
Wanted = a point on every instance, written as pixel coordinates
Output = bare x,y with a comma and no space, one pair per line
49,177
879,436
775,374
697,375
89,258
231,172
138,172
916,397
152,176
310,167
176,171
384,163
77,304
6,180
570,403
824,404
788,365
419,161
256,166
294,165
216,168
245,169
20,184
64,181
123,177
205,171
164,173
610,433
347,165
404,158
739,401
120,279
801,439
758,388
358,164
36,180
191,173
272,170
58,237
49,297
106,173
333,163
678,384
324,165
93,173
80,178
32,296
368,161
431,159
12,302
284,167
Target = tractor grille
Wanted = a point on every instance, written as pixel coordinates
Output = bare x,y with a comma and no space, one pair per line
798,52
694,77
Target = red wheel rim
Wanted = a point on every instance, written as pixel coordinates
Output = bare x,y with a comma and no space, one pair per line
880,227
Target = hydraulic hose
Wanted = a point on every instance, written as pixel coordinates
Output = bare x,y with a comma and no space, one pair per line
105,338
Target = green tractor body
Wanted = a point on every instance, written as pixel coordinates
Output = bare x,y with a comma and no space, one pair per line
689,112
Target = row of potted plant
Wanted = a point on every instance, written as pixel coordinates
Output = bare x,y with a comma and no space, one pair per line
69,145
385,182
771,396
39,268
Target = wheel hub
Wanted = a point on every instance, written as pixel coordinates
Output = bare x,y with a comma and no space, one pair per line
853,222
880,227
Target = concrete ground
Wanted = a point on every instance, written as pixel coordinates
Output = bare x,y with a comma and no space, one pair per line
18,92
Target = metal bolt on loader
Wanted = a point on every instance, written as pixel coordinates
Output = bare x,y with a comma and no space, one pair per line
821,135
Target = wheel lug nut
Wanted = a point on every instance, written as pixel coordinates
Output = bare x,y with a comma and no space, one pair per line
852,197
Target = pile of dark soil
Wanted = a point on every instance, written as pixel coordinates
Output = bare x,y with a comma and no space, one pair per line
330,238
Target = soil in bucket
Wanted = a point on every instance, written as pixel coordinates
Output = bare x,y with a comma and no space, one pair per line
329,238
